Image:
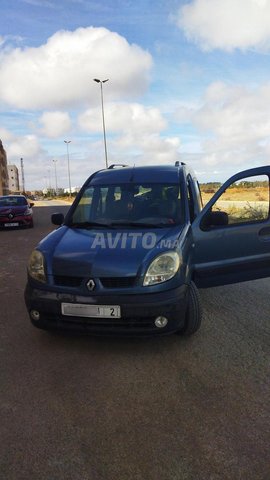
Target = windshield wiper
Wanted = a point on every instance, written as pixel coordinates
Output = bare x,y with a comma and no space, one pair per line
137,224
119,224
87,224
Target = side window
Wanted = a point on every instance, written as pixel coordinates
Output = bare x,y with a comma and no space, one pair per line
245,201
207,191
81,213
101,204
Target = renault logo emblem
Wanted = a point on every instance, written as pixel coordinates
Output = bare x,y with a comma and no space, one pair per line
91,284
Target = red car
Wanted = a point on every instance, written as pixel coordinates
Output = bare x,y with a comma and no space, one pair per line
15,211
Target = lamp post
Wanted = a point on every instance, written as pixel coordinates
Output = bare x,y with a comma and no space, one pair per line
49,181
45,185
103,120
67,142
55,173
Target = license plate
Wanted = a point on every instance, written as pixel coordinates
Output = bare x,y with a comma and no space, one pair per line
82,310
11,224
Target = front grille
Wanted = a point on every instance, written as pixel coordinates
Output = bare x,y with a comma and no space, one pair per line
107,282
117,282
14,215
21,214
67,281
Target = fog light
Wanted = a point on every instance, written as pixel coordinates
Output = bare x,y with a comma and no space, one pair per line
35,315
161,322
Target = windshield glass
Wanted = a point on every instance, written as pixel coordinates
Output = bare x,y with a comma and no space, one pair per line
154,204
12,201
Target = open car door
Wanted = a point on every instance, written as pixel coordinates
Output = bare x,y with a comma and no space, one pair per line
231,235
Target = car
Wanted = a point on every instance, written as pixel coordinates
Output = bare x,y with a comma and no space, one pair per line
15,211
137,244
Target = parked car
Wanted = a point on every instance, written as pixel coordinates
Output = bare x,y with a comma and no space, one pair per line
135,246
15,211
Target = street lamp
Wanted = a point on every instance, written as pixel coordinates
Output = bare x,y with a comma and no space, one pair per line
55,173
67,142
45,185
49,181
103,120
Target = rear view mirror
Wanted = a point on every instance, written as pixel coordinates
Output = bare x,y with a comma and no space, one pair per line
214,219
57,218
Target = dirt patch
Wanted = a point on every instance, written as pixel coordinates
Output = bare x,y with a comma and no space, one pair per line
257,194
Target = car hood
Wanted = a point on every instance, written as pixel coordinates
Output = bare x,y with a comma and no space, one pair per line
12,210
108,253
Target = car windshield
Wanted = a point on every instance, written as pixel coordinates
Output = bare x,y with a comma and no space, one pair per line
12,201
129,205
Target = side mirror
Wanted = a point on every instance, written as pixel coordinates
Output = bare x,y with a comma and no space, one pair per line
31,204
214,219
57,218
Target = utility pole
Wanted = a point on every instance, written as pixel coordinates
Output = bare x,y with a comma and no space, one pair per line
55,173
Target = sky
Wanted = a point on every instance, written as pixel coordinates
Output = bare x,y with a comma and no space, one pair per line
188,81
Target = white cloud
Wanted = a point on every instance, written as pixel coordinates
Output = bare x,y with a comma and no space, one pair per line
54,124
60,73
226,24
22,146
234,124
143,149
38,164
236,113
127,117
41,3
5,135
137,133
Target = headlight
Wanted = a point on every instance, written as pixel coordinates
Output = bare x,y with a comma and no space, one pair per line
163,268
27,211
36,267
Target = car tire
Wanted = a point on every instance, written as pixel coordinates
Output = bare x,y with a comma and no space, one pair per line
193,316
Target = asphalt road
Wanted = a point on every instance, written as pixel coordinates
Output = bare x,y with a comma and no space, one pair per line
172,408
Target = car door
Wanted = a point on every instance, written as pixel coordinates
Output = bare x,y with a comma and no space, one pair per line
231,235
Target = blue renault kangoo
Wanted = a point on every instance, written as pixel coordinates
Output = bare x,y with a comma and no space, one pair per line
137,244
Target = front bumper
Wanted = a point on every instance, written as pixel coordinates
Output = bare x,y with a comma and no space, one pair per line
19,221
138,312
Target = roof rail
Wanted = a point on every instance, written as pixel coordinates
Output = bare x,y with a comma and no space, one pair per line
117,165
177,163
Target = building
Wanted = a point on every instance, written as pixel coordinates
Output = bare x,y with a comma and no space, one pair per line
13,178
4,190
